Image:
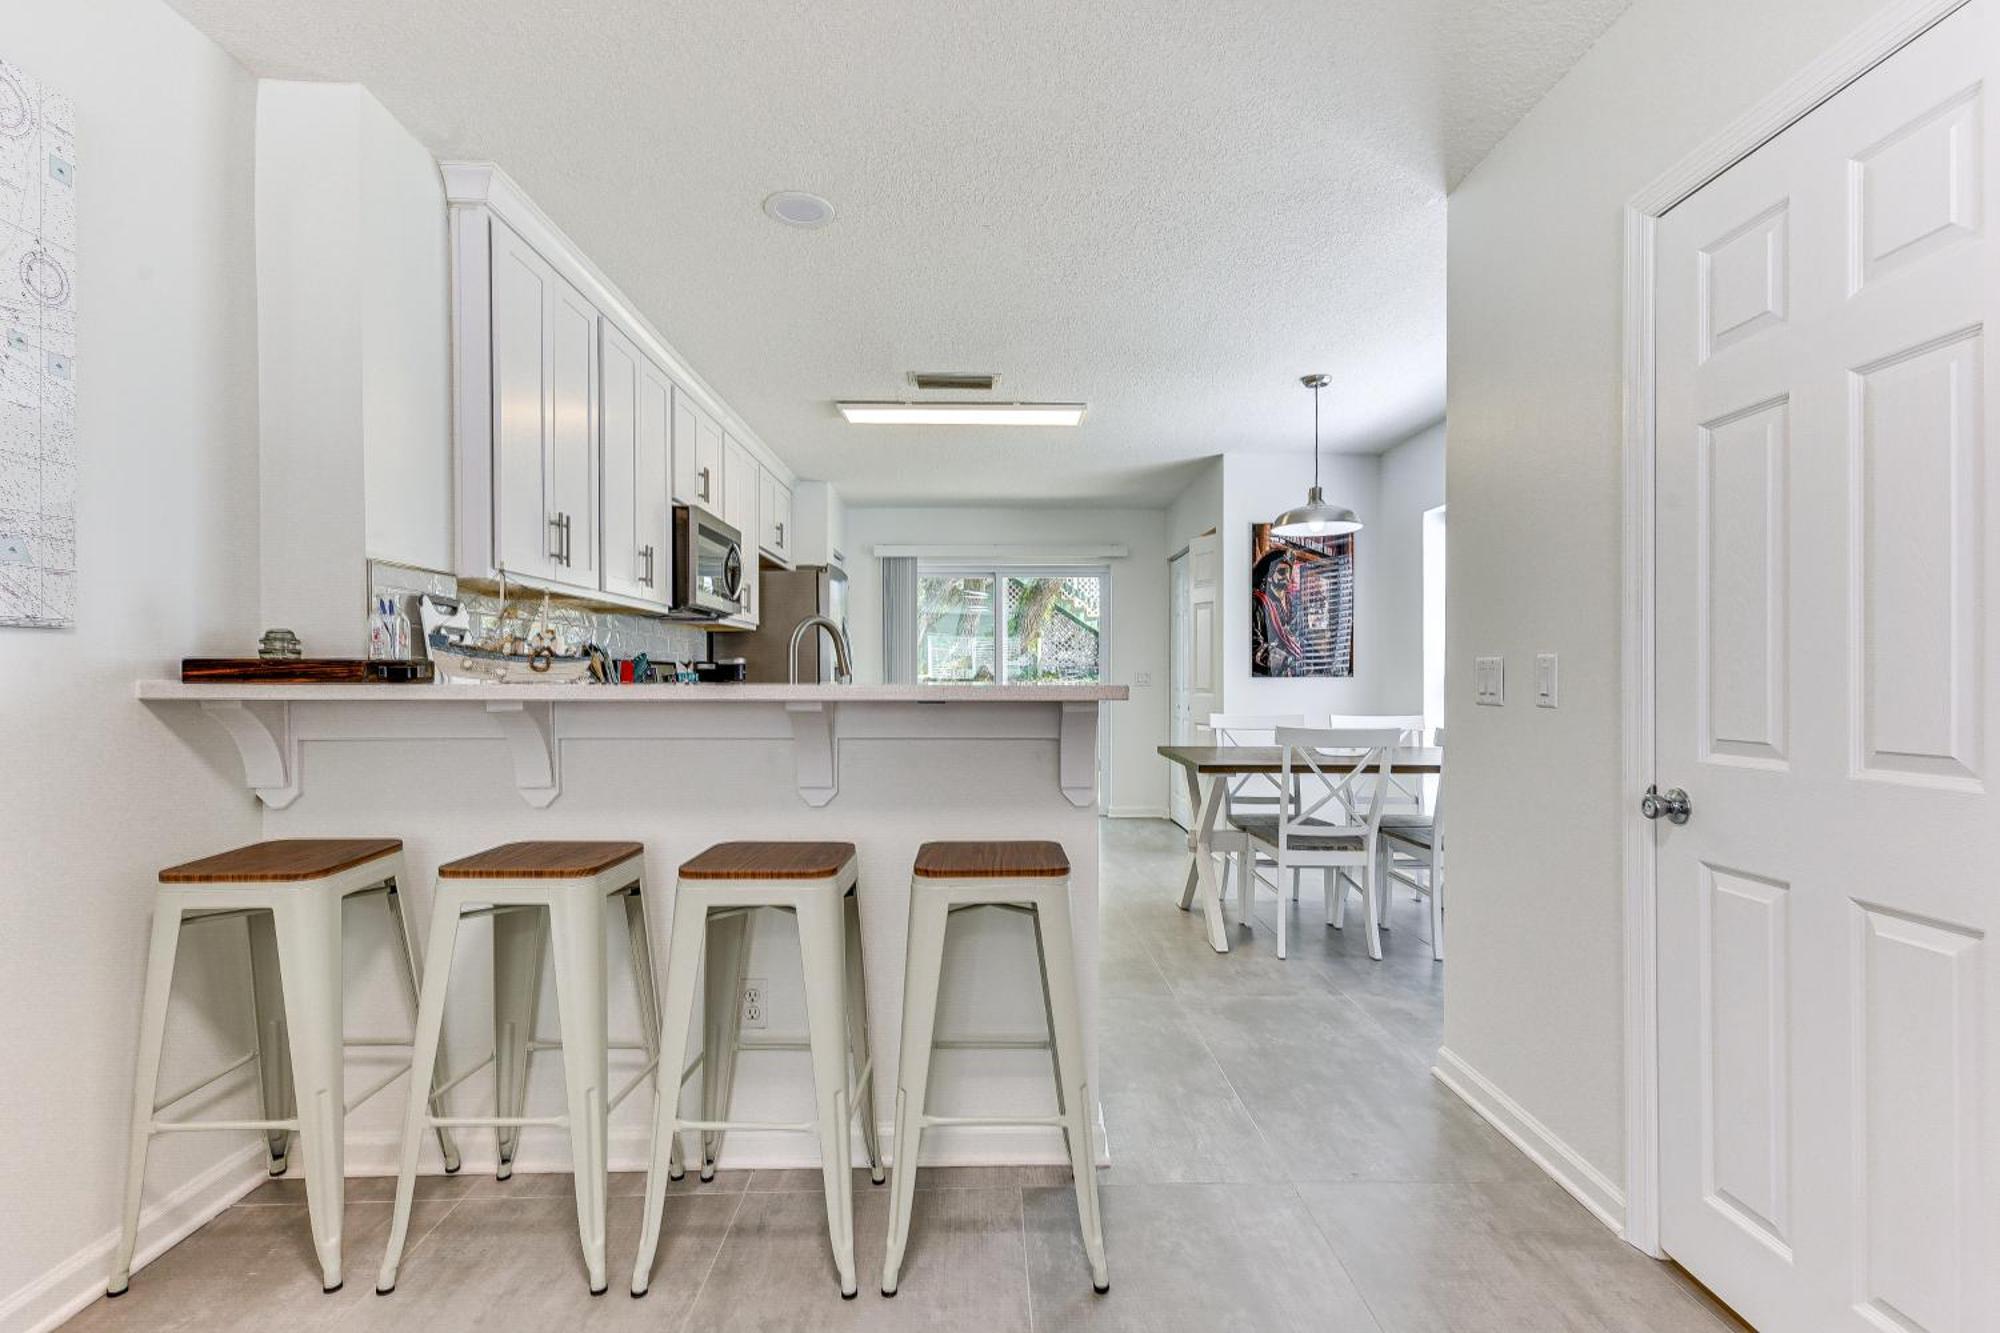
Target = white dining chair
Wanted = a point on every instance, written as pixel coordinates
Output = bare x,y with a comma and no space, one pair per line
1413,856
1249,794
1334,786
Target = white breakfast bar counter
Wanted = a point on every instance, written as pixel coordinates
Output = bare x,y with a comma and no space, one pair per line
452,769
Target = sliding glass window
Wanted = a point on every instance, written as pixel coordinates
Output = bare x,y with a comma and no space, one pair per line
1012,626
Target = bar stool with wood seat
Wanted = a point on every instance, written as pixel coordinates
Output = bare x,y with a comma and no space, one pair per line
536,893
289,893
717,893
953,877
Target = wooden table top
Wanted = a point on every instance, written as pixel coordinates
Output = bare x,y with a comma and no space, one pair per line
1232,759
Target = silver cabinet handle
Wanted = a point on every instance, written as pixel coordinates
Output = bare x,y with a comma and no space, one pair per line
1672,803
556,537
646,554
704,484
781,536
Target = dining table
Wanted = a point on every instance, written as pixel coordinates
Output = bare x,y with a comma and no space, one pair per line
1208,770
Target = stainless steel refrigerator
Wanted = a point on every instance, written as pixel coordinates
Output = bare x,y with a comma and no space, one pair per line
786,597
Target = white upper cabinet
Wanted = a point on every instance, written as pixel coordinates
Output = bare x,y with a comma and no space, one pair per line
816,525
578,427
740,506
774,515
637,432
544,354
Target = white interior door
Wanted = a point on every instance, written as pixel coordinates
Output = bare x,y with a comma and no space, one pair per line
1180,721
1204,630
1826,494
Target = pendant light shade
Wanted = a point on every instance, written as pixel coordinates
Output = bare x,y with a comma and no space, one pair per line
1315,518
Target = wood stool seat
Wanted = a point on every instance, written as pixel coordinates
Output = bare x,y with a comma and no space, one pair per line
991,860
541,860
283,860
769,861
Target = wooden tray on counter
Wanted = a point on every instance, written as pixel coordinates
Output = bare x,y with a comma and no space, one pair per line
306,671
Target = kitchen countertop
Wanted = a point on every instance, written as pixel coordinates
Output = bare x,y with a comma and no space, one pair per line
636,694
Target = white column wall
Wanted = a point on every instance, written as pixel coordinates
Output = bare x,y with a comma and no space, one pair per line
97,791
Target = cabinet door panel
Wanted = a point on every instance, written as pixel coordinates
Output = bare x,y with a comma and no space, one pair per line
687,445
618,428
573,434
522,538
711,485
652,503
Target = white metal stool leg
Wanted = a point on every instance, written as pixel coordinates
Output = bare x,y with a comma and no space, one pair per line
923,964
857,1039
824,955
1066,1032
146,1079
520,944
684,949
412,968
274,1052
721,1023
445,911
309,964
646,985
577,934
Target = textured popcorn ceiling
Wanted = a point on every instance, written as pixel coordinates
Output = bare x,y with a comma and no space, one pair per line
1167,210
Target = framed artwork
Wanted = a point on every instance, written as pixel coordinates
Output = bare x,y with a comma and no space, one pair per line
37,355
1301,604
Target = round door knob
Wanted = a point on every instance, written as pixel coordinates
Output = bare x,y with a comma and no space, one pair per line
1673,804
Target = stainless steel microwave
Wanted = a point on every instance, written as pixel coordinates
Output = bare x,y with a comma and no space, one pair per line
708,564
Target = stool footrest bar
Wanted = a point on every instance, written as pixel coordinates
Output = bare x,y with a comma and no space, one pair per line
1052,1121
377,1086
195,1087
626,1091
202,1126
457,1079
993,1044
725,1126
497,1122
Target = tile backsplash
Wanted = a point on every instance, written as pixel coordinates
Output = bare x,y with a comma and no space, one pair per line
618,634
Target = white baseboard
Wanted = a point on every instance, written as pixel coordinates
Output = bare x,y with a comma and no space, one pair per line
58,1295
1567,1167
1136,812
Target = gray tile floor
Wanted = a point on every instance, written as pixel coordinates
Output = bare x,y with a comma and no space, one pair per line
1283,1160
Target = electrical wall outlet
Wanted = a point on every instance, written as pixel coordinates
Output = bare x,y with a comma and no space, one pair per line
1545,680
1490,680
754,1014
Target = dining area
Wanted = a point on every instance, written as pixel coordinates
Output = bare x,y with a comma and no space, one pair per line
1283,804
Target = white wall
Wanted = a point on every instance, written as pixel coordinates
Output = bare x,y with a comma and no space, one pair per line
1197,509
98,791
353,300
1536,250
1138,784
1412,484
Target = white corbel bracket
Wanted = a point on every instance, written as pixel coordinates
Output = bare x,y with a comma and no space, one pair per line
263,737
1077,757
529,730
817,765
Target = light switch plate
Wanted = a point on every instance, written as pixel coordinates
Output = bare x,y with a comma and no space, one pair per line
1490,677
1545,680
1142,680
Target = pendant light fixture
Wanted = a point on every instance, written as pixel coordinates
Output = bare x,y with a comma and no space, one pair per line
1315,518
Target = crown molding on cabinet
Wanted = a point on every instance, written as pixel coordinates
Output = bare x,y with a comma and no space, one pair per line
485,185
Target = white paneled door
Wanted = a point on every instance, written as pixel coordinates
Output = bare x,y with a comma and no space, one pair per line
1827,488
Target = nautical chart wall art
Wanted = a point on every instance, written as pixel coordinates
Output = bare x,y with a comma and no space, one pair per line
37,354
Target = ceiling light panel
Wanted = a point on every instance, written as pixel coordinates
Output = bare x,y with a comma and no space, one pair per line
962,414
